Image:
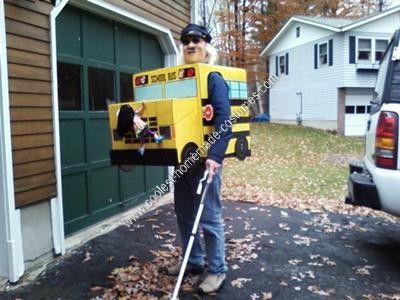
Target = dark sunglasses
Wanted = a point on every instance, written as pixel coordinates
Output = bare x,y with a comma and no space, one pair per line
186,40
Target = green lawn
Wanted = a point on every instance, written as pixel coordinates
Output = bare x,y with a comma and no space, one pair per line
292,162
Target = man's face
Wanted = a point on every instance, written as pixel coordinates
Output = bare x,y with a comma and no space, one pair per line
194,49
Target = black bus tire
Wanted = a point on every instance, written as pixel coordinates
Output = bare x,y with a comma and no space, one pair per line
241,148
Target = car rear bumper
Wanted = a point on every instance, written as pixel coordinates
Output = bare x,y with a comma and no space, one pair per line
362,189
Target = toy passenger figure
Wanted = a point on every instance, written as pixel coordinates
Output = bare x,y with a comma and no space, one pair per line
195,48
129,119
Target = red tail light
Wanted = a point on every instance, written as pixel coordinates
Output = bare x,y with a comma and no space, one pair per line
188,72
141,80
386,141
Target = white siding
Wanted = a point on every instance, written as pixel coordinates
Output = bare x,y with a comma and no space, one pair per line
387,24
318,86
308,34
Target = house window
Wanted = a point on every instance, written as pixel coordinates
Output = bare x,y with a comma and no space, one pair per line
323,54
298,31
364,49
380,47
282,65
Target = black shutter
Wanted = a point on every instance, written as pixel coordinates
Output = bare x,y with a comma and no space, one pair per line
352,49
287,63
315,56
276,65
330,52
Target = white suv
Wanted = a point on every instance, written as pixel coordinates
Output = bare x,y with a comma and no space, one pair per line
375,181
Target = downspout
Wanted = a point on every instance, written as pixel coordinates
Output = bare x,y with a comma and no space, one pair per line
194,11
56,204
11,251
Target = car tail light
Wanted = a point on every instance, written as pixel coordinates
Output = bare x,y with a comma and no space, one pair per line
185,73
140,80
386,141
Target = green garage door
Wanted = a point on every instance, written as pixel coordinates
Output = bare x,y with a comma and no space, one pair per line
96,58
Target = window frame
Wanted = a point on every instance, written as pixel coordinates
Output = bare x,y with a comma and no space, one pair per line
319,55
297,31
283,58
372,59
383,51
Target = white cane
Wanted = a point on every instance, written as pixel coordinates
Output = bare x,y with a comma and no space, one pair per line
194,230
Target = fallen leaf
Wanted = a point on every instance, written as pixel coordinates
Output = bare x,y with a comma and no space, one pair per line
88,256
238,283
267,296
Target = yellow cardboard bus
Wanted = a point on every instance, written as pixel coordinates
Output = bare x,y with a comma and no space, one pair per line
176,105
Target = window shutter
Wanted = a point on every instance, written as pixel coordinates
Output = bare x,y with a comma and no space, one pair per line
352,49
287,63
330,49
315,56
276,65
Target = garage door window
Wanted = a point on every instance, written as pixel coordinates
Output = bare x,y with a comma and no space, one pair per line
358,109
126,87
69,86
101,88
349,109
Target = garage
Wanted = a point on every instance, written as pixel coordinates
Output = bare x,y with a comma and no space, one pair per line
96,57
357,110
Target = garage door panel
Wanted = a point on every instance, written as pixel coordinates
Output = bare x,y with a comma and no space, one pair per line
128,47
151,52
99,37
69,42
98,140
103,188
132,183
72,142
75,196
151,174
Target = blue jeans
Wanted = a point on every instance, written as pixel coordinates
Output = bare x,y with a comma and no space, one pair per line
186,205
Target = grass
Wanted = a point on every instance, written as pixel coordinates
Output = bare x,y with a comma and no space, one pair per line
292,160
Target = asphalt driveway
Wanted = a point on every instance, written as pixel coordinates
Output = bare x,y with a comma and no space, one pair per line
272,252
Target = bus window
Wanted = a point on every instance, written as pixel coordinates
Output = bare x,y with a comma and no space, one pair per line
237,89
181,88
242,90
234,90
150,92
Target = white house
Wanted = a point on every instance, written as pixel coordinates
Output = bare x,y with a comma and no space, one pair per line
327,69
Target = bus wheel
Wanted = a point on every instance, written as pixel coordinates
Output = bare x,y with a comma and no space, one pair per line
241,148
126,168
187,153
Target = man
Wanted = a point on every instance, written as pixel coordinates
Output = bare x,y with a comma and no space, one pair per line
195,48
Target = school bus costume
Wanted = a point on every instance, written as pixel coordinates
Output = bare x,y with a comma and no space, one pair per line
178,108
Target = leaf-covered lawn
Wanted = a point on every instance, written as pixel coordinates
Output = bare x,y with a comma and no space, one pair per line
294,166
